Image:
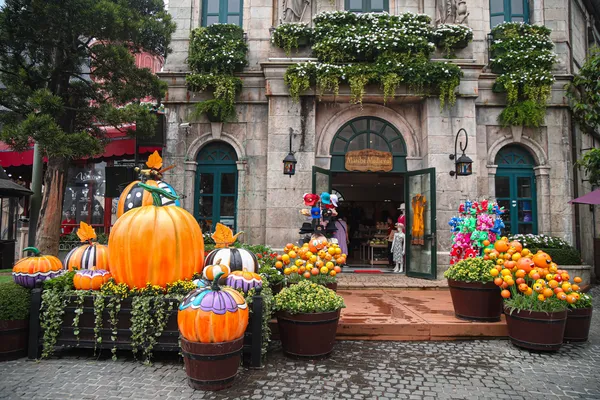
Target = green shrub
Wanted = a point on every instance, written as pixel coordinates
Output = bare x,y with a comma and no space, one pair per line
14,301
471,270
566,256
532,241
290,36
306,297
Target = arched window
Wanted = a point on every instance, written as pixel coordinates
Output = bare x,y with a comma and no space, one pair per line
363,6
222,12
515,189
508,11
216,186
368,133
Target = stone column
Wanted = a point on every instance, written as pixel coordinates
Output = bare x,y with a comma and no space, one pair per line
542,177
492,169
242,198
190,186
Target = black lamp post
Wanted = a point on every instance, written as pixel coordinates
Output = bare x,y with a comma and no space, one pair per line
289,162
463,165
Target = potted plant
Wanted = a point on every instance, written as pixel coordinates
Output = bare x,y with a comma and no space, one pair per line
290,36
212,321
307,316
535,295
317,261
450,37
579,317
14,313
474,295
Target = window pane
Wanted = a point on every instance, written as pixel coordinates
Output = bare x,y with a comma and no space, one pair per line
356,5
233,6
506,215
517,19
359,143
205,204
516,6
524,186
502,186
377,5
378,143
524,229
339,146
375,125
206,225
234,19
525,213
212,19
206,183
398,147
227,207
360,125
347,132
212,6
389,133
228,183
496,6
497,20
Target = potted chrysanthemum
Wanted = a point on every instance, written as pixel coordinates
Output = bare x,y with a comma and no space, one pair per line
307,310
579,317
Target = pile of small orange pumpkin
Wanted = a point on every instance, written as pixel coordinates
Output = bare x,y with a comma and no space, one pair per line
317,257
531,274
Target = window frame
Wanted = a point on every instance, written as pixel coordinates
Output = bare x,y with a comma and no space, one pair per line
507,12
366,6
223,13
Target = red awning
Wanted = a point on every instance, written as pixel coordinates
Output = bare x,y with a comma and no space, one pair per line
120,145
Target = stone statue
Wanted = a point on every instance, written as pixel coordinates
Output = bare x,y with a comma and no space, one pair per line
452,12
294,10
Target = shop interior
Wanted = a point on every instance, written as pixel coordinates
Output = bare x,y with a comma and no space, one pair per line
366,201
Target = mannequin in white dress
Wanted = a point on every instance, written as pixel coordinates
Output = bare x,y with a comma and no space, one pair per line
398,248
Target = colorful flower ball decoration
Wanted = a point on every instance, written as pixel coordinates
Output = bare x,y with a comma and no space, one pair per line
91,255
236,259
88,279
244,280
155,244
134,195
29,270
212,322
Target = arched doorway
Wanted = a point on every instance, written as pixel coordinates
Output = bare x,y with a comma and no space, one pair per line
216,186
368,165
515,189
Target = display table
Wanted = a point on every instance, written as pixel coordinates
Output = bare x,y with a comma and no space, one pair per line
382,259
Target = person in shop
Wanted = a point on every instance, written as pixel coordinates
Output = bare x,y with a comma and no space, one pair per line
341,234
68,224
402,217
390,239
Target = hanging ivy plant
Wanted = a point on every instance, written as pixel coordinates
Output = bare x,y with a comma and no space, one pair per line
99,302
216,53
114,307
449,37
523,57
290,36
389,50
78,311
53,309
584,93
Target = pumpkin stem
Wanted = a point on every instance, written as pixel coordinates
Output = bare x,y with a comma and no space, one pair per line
34,250
215,282
157,193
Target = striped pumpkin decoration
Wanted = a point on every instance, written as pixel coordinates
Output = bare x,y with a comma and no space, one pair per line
235,259
134,196
88,256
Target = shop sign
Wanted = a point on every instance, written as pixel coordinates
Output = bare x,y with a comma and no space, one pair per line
369,160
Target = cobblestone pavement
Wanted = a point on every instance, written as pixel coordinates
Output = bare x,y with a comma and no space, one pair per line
357,370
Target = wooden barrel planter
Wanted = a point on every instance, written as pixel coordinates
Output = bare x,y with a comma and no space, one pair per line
536,330
211,366
13,339
294,329
476,301
579,321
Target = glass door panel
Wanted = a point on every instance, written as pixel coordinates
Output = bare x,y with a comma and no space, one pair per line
216,194
321,180
515,191
420,214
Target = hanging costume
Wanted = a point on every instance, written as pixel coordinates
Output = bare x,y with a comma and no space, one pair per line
418,227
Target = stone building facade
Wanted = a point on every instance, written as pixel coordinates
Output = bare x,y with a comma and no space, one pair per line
267,202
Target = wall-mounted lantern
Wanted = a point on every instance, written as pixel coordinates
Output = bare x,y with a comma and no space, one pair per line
289,162
463,165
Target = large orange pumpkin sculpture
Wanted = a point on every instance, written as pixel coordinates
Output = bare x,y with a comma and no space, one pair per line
88,256
213,314
155,244
27,271
135,196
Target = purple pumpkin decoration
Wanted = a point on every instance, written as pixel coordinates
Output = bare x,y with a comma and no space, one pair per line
244,280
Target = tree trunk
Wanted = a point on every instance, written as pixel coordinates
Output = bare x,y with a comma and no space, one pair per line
55,182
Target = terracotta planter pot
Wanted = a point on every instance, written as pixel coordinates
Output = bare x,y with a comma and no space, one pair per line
579,321
211,366
308,335
13,339
476,301
536,330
